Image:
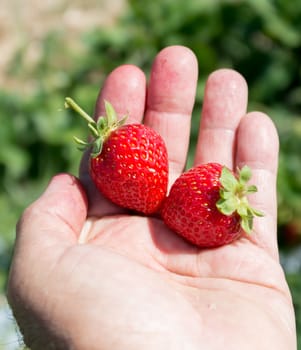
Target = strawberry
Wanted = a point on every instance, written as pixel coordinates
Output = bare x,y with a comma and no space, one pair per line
208,206
128,162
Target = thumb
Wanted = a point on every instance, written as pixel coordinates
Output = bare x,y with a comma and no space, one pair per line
57,216
46,230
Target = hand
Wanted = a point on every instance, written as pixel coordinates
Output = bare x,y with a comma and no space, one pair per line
92,277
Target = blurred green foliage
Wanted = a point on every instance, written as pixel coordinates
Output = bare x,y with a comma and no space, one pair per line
259,38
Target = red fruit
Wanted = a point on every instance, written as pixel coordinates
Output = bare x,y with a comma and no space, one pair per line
128,163
208,206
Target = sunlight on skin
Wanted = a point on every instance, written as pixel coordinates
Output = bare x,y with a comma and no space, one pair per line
89,275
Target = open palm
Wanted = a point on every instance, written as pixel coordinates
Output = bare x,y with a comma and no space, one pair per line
109,280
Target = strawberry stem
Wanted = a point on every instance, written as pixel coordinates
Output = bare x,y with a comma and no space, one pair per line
99,130
70,103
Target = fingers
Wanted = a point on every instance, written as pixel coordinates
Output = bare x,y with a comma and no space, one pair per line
170,101
258,146
231,137
225,103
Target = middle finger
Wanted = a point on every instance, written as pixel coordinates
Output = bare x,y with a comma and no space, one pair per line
170,101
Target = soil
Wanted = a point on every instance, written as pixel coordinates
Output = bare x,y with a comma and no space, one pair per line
26,22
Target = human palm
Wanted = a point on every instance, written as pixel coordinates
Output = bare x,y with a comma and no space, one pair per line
121,281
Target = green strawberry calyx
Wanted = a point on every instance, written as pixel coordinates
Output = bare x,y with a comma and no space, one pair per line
100,129
233,196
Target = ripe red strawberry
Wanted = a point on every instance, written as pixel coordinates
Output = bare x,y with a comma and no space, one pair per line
208,206
128,162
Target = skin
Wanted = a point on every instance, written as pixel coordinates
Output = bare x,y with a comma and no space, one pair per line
86,275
